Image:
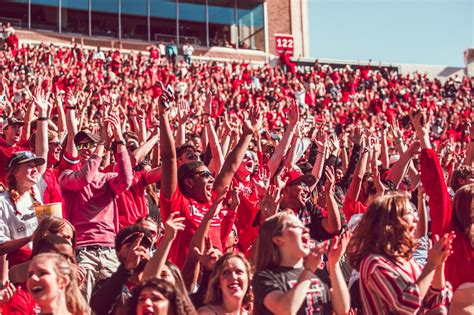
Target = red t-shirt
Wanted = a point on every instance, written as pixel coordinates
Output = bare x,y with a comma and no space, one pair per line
351,207
193,212
52,193
21,303
132,203
246,213
6,152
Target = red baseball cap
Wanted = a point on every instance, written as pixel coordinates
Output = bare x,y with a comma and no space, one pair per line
296,176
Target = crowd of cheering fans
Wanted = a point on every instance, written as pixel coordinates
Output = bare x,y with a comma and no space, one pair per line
192,187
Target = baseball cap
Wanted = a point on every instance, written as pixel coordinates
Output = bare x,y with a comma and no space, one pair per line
81,135
296,176
23,157
11,121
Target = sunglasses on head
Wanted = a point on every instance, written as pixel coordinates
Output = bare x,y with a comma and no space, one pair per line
88,145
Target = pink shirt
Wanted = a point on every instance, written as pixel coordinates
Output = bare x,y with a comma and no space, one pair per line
89,198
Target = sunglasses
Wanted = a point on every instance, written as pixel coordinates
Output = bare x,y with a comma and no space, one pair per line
88,145
203,174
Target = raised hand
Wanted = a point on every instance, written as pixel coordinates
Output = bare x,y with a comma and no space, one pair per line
209,255
281,178
314,258
234,200
216,205
338,248
135,253
253,121
7,292
173,225
270,203
358,132
71,98
320,139
263,180
41,100
113,121
294,113
420,121
440,249
184,111
330,179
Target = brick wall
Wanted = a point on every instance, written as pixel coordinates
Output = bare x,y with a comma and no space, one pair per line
279,20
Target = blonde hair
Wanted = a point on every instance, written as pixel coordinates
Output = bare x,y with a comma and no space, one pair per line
214,294
382,230
268,253
75,302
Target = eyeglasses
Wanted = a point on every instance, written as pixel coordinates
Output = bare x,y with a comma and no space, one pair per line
88,145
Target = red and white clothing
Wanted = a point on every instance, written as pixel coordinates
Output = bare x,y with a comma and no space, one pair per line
6,152
387,287
193,212
459,267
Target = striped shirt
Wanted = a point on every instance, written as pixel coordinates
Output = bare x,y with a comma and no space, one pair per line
389,288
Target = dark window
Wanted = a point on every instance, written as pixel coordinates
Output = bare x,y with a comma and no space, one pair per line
105,18
222,26
44,15
14,12
134,19
192,22
75,16
163,20
251,25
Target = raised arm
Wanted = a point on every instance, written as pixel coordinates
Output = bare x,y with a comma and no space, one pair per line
155,265
41,144
123,180
432,178
399,169
183,116
232,163
356,183
169,170
341,300
332,222
282,147
71,124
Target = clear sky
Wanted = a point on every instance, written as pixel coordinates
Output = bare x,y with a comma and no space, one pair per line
400,31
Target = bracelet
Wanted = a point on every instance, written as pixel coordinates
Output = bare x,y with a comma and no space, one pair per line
365,150
123,142
42,119
71,107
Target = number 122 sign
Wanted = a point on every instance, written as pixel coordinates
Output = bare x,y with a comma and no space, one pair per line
283,42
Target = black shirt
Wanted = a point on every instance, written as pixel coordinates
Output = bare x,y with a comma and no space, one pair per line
318,297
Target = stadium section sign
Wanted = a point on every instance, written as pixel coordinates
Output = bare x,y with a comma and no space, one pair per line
284,41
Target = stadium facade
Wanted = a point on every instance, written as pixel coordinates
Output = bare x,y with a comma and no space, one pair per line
255,25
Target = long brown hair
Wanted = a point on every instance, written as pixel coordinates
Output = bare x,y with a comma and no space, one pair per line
462,208
268,253
382,230
75,302
214,294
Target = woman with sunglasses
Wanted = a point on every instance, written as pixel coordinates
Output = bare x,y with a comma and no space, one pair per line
381,249
289,277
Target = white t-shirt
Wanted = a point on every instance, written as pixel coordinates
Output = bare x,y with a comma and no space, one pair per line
15,226
188,50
